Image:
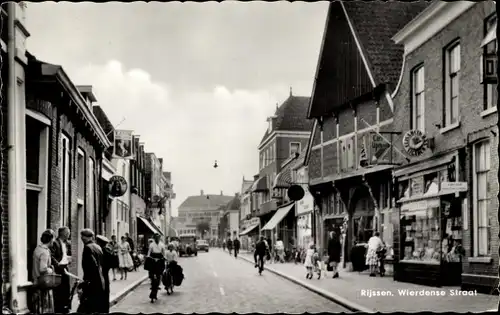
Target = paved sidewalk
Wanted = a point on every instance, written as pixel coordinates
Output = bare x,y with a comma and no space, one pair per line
119,288
355,288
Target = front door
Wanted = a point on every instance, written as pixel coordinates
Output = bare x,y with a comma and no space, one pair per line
81,226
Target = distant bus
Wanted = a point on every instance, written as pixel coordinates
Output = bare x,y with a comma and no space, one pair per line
188,244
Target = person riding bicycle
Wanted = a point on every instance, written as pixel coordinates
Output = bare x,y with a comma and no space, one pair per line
155,265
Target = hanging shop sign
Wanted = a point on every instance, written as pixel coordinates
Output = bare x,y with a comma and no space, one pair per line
295,192
122,146
415,142
117,186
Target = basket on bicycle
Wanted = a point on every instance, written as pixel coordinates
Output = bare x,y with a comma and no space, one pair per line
49,281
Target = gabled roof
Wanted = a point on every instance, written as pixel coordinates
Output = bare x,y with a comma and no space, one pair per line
375,22
234,204
358,56
291,116
201,201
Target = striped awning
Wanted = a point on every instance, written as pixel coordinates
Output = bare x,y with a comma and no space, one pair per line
283,179
260,184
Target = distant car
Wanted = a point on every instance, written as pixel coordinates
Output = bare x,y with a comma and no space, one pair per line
202,245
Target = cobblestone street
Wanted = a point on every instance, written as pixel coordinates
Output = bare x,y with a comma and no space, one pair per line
356,287
217,282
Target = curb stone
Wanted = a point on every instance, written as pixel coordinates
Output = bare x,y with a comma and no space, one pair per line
123,293
328,295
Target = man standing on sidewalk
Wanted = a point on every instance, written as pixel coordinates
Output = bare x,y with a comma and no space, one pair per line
93,289
61,254
260,253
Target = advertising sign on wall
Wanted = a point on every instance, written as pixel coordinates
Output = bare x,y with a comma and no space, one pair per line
306,204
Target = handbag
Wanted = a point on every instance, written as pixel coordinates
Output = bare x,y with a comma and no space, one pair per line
49,281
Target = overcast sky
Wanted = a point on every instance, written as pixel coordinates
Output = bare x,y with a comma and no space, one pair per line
195,80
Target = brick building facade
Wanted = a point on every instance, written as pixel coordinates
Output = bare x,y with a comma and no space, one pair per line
442,93
350,155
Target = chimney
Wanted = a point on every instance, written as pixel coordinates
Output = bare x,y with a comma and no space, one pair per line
221,193
290,91
201,192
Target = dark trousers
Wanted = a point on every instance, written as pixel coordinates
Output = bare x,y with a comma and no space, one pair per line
61,294
259,261
236,251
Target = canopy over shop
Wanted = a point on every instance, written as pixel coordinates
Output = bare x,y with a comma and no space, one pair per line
283,228
145,230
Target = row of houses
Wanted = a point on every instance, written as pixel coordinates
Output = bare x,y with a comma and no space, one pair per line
60,166
399,136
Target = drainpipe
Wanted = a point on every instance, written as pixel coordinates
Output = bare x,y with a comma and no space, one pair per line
13,153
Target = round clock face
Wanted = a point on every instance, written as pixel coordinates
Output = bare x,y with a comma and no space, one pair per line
415,142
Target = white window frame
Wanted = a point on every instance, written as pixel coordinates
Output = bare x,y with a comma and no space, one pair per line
92,200
451,72
43,169
65,179
290,148
475,215
81,155
418,98
489,88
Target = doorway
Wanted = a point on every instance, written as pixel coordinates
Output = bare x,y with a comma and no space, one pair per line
81,226
32,228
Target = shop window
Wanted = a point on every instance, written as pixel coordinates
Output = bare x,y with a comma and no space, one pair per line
81,174
404,189
452,84
421,232
431,184
481,169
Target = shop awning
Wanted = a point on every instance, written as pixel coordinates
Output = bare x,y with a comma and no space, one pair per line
425,165
149,225
491,36
360,172
283,179
260,184
277,217
249,229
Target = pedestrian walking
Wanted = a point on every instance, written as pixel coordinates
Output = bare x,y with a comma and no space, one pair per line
130,242
171,258
155,264
224,245
271,250
280,249
308,263
374,244
230,246
259,254
93,287
124,258
236,245
43,302
115,263
60,258
334,252
107,262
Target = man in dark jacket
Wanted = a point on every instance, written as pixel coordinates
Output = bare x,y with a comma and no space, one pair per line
94,288
61,256
236,245
334,251
107,262
260,253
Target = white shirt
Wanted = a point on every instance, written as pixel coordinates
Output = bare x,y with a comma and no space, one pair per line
171,256
279,245
156,248
64,259
375,243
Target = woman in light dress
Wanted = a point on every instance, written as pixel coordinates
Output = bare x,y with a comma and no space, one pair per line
308,263
43,301
124,258
374,244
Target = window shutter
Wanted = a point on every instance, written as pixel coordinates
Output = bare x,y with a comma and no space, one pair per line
481,69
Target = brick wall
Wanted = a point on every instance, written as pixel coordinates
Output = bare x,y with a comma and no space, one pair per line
64,121
469,29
